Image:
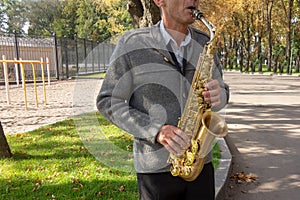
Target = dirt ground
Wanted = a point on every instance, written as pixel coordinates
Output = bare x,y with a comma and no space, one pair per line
60,104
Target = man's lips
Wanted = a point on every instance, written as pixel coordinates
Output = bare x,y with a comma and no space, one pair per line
191,8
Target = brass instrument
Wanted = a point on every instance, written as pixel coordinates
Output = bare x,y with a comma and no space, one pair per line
198,120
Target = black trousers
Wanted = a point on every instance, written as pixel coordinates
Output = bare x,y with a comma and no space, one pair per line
164,186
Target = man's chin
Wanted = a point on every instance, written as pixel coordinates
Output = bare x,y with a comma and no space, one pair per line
191,21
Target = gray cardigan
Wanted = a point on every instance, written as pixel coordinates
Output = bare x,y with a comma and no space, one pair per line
144,90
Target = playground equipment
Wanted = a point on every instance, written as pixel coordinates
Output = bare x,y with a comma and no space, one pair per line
22,63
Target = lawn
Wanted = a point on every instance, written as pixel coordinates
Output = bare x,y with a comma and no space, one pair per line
52,162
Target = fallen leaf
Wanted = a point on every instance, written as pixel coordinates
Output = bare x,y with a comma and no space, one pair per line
105,187
99,194
122,188
22,152
241,177
76,181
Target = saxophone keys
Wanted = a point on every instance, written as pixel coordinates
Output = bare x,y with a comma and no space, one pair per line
190,157
186,170
195,146
175,171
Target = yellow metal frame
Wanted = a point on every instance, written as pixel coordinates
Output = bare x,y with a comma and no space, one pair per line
22,63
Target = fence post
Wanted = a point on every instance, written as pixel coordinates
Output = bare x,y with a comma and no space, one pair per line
92,52
66,54
17,51
5,71
98,56
43,79
56,57
48,70
17,73
104,58
76,52
85,57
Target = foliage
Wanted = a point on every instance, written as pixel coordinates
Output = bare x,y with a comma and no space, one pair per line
96,20
42,16
117,19
12,16
254,29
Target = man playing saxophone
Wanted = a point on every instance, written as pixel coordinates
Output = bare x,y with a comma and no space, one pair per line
145,92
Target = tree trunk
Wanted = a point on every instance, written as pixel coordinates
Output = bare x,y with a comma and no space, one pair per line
260,30
4,147
242,45
289,13
143,12
236,53
298,63
280,69
276,65
248,47
225,62
259,55
269,30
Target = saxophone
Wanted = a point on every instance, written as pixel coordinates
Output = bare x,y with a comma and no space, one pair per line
198,120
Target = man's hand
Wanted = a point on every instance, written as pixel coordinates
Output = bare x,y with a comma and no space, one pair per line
213,94
173,139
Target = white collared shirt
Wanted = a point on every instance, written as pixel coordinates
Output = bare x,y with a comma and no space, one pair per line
178,50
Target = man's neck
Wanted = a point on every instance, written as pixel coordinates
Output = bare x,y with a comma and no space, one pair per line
176,30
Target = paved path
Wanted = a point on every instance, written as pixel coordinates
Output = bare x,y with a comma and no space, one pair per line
264,138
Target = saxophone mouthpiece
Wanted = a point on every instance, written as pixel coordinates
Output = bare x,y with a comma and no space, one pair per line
197,14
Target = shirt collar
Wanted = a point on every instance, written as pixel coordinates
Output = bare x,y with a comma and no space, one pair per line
167,37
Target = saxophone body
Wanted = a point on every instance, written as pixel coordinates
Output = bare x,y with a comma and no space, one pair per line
198,120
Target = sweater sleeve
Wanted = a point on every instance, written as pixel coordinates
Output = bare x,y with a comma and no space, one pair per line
114,97
218,75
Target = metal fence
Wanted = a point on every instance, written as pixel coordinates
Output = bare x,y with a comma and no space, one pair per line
67,57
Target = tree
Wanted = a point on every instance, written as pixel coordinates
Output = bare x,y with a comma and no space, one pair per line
90,19
288,7
2,15
12,16
96,20
113,18
4,148
42,16
143,12
269,11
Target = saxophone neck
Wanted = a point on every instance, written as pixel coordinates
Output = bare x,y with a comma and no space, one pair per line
198,15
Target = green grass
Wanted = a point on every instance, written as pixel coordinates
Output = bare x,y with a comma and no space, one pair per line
264,71
53,163
94,75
